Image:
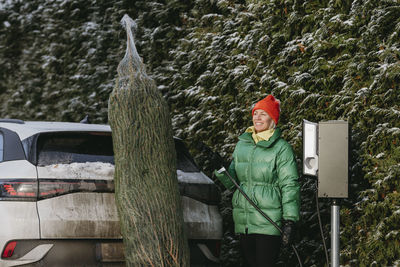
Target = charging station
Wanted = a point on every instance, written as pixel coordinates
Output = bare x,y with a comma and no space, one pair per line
326,156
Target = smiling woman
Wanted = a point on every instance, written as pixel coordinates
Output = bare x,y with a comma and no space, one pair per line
262,121
266,113
265,167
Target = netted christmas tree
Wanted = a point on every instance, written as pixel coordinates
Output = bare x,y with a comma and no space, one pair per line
146,186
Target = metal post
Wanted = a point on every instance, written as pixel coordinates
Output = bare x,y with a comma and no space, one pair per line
335,239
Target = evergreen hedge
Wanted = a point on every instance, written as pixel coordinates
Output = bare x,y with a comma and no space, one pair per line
212,60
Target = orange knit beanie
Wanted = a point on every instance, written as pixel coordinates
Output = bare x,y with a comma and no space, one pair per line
269,105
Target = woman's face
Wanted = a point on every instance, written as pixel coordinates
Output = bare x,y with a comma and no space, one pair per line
261,120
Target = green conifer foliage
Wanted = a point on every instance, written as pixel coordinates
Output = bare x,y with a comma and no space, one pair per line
213,60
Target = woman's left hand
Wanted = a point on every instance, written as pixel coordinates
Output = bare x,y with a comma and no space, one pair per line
288,232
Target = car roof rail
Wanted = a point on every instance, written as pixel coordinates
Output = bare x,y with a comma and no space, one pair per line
12,121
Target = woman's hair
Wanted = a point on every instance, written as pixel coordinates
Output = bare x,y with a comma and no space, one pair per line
272,125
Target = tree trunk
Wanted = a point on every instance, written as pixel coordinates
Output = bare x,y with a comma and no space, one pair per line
146,187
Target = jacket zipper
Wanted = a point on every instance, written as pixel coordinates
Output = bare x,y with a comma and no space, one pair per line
250,183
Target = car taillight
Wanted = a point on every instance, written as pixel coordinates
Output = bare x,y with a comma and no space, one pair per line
18,189
9,249
27,189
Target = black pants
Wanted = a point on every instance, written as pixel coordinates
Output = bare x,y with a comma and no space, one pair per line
260,250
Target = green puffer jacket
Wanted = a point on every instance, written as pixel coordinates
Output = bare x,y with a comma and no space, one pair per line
267,172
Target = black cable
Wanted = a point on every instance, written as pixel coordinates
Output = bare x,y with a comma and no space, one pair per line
260,211
320,227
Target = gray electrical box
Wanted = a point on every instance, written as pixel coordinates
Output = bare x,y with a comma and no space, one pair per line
333,159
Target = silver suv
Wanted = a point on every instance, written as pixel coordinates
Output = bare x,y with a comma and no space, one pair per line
57,197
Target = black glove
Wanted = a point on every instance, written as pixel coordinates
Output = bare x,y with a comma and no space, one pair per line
288,232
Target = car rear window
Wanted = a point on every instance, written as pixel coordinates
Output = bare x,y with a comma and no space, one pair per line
67,148
184,160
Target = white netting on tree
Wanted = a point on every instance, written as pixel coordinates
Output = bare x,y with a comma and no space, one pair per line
131,64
